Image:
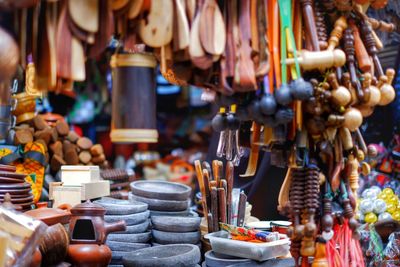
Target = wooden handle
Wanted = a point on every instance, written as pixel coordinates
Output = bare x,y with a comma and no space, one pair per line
346,139
214,208
207,197
319,60
337,32
381,25
229,184
363,59
241,209
308,16
221,205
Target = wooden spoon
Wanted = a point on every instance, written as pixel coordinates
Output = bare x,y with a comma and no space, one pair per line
77,60
198,56
212,28
181,37
85,14
156,30
106,28
252,164
135,8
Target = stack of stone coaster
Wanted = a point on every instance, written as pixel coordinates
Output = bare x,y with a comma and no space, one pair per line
136,236
164,198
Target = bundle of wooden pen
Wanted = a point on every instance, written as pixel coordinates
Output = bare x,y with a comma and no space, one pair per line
216,190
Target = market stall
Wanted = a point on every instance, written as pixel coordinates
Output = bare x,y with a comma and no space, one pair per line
142,133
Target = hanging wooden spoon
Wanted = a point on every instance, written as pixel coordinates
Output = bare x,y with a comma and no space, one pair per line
106,28
212,28
64,43
134,8
198,56
156,29
85,14
181,36
77,60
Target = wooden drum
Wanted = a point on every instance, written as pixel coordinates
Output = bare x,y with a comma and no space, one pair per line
133,98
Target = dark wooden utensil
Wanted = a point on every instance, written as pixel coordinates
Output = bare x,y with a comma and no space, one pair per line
241,209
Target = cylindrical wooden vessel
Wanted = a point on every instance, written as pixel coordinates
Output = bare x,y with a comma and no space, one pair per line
133,99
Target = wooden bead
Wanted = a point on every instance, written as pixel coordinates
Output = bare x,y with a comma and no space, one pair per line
99,159
84,143
71,157
388,93
62,128
85,157
23,137
72,136
39,123
56,162
97,150
57,148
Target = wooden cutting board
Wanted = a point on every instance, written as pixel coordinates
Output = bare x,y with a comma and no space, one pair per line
134,8
181,31
77,60
156,29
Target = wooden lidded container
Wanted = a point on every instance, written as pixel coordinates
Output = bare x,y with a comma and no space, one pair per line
133,98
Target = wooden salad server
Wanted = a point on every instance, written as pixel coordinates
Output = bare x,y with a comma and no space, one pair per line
200,181
212,28
241,209
221,205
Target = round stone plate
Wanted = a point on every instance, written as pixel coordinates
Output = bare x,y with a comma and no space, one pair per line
161,190
160,204
130,238
130,219
175,223
162,237
123,246
121,207
171,213
169,256
135,229
221,260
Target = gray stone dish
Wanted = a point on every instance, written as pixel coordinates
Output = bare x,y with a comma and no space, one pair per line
137,228
164,238
121,207
154,244
175,223
170,213
160,204
123,246
130,238
221,260
130,219
161,190
184,255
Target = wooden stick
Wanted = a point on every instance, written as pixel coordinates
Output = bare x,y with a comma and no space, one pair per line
229,184
206,181
214,208
221,205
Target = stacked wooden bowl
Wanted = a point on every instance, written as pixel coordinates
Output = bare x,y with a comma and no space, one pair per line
14,184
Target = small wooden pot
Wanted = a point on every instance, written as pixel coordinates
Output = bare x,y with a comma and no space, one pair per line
133,99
